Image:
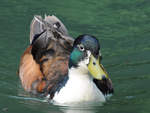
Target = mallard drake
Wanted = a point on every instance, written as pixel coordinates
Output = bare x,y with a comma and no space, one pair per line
60,68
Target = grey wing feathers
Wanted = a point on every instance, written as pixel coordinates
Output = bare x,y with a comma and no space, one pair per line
38,25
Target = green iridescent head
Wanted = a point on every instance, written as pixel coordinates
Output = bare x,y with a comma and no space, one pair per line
86,56
82,44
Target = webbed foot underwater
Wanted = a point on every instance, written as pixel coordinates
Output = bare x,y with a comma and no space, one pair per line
61,68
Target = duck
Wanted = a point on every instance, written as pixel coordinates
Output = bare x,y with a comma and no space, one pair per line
61,68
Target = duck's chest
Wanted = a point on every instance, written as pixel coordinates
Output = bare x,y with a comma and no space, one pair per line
79,88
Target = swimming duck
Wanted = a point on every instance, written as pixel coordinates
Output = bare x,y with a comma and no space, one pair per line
64,70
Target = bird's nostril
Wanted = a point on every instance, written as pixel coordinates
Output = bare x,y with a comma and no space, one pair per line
94,63
103,77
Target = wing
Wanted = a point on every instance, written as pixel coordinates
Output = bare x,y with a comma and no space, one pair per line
29,72
44,63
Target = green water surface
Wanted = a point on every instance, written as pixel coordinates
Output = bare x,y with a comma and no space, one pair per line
123,29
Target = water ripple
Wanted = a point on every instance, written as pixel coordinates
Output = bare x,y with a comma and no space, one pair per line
129,64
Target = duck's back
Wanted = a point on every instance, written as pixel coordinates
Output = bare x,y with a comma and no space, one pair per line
45,62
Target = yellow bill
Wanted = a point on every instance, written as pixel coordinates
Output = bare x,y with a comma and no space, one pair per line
96,69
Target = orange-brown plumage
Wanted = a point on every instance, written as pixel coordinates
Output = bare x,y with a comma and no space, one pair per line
29,70
42,68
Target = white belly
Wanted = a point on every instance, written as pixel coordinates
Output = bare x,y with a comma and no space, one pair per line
79,88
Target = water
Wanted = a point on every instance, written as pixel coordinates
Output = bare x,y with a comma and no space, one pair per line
123,29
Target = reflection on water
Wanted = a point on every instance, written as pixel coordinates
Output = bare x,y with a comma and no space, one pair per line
69,110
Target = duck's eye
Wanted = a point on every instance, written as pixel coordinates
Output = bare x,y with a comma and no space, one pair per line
81,47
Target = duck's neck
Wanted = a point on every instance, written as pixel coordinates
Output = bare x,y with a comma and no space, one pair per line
78,76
